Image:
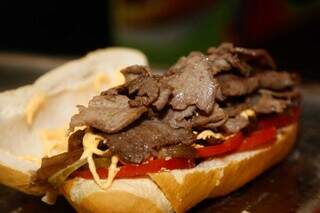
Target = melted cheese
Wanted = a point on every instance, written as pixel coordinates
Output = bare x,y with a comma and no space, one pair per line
208,134
113,170
33,106
55,141
247,113
90,146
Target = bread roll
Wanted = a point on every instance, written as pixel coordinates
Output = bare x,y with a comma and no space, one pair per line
34,118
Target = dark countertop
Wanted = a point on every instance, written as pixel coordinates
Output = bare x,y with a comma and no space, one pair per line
291,186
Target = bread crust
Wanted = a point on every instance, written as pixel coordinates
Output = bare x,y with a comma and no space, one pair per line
185,188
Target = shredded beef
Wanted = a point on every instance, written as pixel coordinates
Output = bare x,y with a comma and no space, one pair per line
192,83
147,92
236,108
177,118
75,140
198,92
232,85
165,92
177,151
265,103
291,94
109,113
275,80
226,56
145,139
216,118
132,72
235,124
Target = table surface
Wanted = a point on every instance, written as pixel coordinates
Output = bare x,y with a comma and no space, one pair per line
291,186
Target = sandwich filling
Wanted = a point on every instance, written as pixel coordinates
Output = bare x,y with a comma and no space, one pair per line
206,105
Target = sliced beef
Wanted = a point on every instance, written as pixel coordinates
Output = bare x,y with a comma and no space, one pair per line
109,113
226,56
235,124
147,91
132,72
222,59
177,151
233,85
211,121
179,118
235,108
192,83
291,94
145,139
256,57
164,95
266,103
75,140
275,80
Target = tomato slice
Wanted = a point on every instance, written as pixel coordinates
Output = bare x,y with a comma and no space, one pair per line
258,138
131,170
228,145
280,120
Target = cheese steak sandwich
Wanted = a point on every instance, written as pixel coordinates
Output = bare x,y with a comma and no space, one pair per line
164,142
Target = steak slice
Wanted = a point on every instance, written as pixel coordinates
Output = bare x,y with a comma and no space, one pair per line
109,113
227,56
233,85
145,139
192,83
275,80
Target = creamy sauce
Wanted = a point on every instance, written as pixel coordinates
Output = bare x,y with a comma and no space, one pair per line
209,134
248,113
90,145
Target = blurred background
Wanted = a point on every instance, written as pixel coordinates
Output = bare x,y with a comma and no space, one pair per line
36,36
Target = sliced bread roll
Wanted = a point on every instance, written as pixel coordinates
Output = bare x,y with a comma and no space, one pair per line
179,190
34,118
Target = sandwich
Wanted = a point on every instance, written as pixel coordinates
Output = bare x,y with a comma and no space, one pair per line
164,142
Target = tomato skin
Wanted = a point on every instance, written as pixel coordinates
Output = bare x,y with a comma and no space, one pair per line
227,146
135,170
258,138
280,120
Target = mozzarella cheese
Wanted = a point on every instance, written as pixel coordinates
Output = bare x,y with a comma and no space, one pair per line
34,105
90,146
